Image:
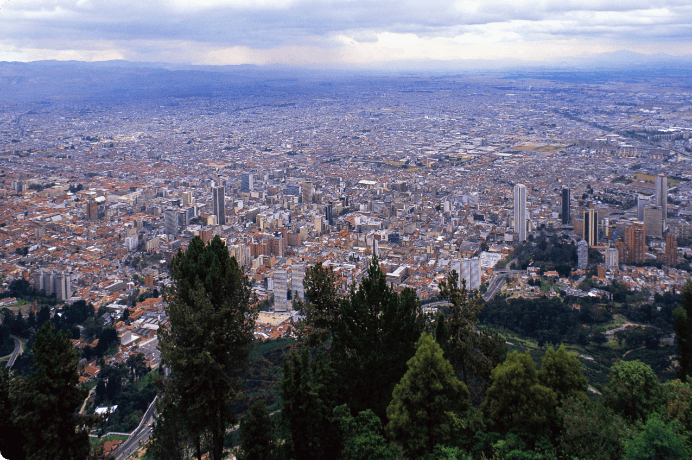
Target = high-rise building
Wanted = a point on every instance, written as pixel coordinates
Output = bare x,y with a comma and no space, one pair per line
187,198
308,191
653,221
642,202
170,221
63,287
566,218
662,194
591,227
328,214
319,225
247,181
635,239
281,290
297,277
611,259
582,255
218,204
92,210
469,270
670,257
520,211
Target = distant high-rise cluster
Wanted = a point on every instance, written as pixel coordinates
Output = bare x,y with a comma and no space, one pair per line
520,211
52,282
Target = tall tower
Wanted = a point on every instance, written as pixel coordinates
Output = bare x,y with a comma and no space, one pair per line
591,227
247,181
281,290
520,211
92,210
662,194
218,204
297,277
566,218
308,191
635,238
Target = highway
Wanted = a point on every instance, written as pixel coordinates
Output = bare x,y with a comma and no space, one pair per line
140,435
16,352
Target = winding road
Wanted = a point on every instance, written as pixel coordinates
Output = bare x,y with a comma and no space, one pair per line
16,352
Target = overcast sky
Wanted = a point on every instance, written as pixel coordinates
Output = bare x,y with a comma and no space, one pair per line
338,32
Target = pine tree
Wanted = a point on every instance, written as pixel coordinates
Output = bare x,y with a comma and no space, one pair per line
321,305
207,344
682,320
421,412
44,406
473,351
257,440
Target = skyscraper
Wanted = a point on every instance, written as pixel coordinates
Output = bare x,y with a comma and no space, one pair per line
297,277
611,259
308,191
635,239
218,204
670,257
170,221
653,221
92,210
470,271
281,290
247,181
566,218
520,211
591,227
662,194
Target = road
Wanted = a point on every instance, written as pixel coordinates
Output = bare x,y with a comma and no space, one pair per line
495,284
16,352
140,435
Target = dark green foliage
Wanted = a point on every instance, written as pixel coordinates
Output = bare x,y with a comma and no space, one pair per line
473,351
308,399
170,439
362,436
12,439
590,430
677,398
659,441
551,253
257,438
321,305
682,319
633,390
421,414
44,407
376,335
22,289
516,400
562,373
208,341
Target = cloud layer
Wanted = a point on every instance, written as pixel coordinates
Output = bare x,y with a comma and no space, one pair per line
337,31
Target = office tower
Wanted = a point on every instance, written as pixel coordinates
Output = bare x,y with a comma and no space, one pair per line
318,225
218,204
170,221
611,259
469,270
520,211
247,181
308,192
49,283
92,210
642,202
328,214
662,194
297,277
63,287
591,227
566,218
280,290
187,198
582,255
653,221
635,239
670,257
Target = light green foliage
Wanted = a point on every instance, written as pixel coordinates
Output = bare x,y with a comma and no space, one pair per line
208,341
44,406
449,453
682,320
658,441
516,399
633,390
361,436
678,402
591,430
421,414
562,373
257,434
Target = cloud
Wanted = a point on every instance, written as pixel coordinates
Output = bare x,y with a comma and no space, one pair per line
328,30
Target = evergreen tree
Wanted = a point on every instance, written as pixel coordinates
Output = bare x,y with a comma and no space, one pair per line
11,438
632,390
516,400
208,341
44,406
321,305
362,436
257,434
658,441
421,412
474,352
170,439
308,394
376,335
682,320
562,373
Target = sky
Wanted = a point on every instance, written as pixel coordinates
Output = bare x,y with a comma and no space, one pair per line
338,32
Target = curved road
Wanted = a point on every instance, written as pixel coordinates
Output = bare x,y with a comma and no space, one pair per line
140,435
17,351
